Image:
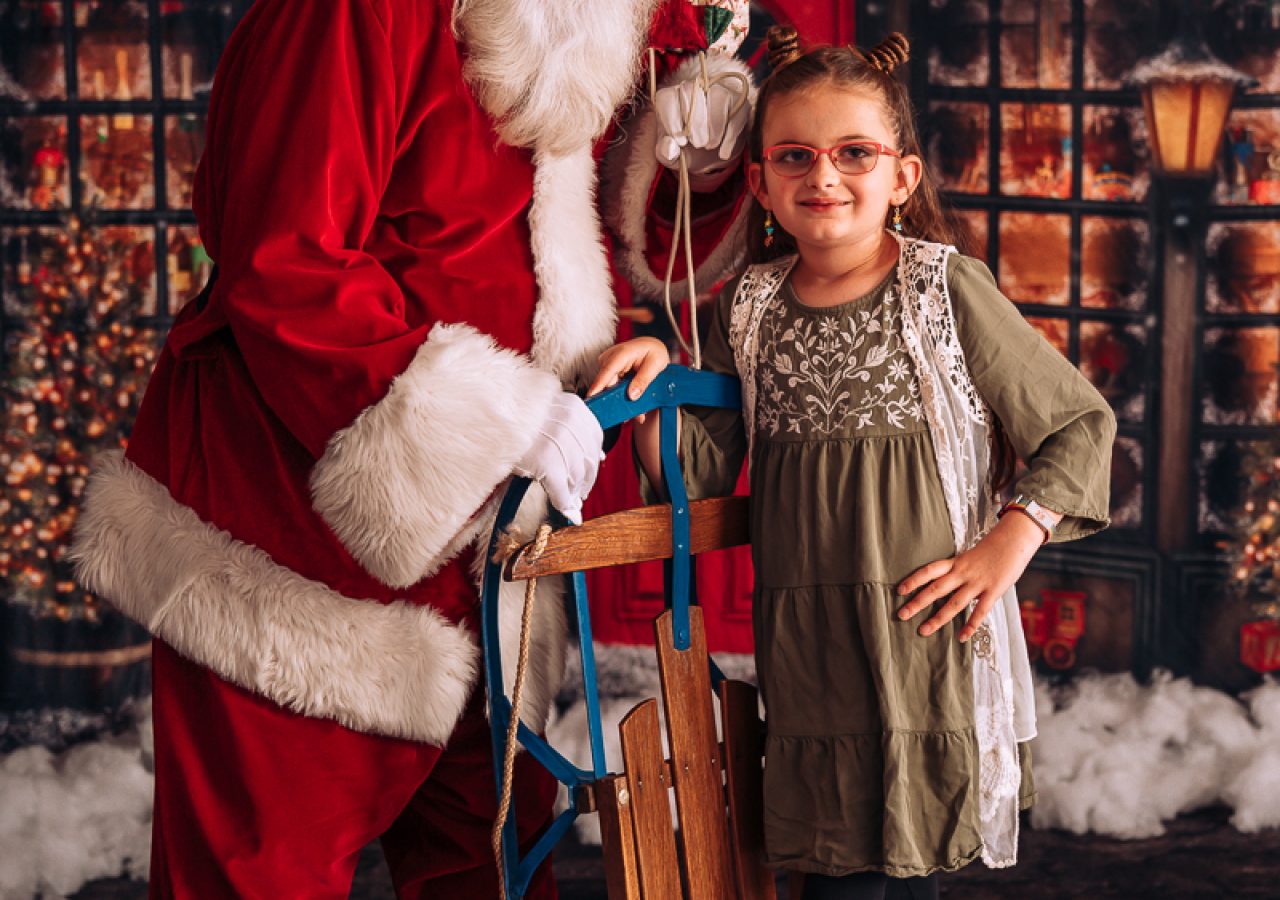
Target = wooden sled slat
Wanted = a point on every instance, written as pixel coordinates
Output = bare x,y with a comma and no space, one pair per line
617,838
695,759
647,776
743,755
632,536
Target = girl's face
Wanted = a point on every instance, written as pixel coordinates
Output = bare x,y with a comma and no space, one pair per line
826,208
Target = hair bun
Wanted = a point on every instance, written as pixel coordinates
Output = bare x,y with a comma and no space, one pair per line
784,46
890,53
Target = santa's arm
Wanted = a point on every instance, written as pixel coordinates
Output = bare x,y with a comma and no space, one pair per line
412,425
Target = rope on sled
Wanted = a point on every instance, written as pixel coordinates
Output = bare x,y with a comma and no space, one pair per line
513,726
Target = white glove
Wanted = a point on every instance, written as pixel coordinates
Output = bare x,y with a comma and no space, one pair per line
702,119
566,455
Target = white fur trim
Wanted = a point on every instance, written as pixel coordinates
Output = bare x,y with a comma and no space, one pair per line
397,669
628,174
551,74
575,320
401,485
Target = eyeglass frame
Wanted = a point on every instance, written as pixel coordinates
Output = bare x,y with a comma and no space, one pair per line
881,149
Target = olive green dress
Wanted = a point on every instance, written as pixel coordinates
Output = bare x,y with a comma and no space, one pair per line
872,758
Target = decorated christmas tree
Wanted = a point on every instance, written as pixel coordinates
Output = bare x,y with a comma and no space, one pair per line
1254,555
76,363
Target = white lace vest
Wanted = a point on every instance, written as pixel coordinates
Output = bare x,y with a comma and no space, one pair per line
959,420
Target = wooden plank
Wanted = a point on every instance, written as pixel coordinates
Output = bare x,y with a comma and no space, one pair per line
695,759
617,838
744,782
648,779
632,536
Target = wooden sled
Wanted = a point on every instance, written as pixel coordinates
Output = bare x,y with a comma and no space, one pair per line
716,853
718,850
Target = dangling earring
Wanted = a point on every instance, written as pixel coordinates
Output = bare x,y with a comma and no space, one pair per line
897,219
768,228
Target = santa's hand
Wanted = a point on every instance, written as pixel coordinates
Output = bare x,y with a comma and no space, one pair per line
566,455
707,119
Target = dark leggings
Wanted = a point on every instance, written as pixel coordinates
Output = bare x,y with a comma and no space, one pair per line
870,886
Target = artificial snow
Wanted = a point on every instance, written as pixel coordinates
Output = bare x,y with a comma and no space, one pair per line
1113,757
1117,758
79,815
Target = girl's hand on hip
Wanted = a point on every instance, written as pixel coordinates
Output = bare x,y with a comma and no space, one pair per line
983,573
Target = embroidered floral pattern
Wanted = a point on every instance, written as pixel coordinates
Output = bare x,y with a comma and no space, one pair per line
820,375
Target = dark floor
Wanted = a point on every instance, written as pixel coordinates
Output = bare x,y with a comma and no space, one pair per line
1201,857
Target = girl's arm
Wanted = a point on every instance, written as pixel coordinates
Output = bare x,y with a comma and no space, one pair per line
712,442
1058,424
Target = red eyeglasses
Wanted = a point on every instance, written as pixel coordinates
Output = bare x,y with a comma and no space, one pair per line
850,158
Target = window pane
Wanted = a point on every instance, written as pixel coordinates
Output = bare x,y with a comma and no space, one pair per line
1246,35
183,145
1035,149
35,163
32,62
1240,375
1251,153
191,35
1055,331
38,269
1243,268
976,221
1126,483
188,266
116,161
963,58
1118,34
1114,263
1114,358
1035,44
111,51
1115,164
956,138
1035,257
1223,474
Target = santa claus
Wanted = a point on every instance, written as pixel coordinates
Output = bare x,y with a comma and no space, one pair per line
411,283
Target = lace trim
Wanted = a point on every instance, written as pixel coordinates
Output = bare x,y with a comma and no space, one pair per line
958,423
756,291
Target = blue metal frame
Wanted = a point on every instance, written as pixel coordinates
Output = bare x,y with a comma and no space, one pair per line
676,386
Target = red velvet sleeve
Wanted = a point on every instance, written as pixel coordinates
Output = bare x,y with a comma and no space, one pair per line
412,427
300,146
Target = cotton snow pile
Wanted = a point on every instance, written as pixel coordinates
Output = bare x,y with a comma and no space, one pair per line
1113,757
77,816
1117,758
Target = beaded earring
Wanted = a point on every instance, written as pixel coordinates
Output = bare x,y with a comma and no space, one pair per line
768,228
897,219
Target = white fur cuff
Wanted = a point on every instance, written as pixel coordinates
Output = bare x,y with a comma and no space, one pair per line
402,484
397,669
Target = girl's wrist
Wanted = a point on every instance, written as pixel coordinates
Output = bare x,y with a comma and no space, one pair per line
1022,527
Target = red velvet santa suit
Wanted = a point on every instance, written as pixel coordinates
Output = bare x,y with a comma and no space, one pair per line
403,287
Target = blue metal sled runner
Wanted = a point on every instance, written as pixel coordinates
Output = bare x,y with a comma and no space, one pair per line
717,851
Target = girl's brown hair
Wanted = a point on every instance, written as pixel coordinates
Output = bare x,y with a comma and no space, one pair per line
923,215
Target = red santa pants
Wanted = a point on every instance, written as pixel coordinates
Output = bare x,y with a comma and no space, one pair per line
255,801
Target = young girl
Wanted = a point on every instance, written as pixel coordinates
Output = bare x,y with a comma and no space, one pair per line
887,385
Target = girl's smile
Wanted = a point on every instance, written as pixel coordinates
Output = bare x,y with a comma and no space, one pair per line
830,213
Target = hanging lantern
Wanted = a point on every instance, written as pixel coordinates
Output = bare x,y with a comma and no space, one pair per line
1186,95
